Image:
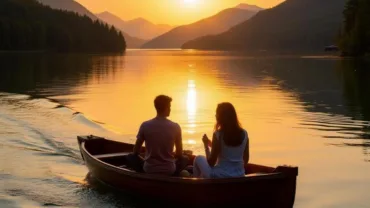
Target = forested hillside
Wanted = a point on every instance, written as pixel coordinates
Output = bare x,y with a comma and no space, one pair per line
29,25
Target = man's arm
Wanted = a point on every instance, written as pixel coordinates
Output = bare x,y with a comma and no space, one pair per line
178,143
139,141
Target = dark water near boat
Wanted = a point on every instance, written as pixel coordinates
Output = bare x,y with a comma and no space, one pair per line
313,112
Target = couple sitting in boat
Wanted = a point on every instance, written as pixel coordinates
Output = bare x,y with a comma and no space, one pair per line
226,158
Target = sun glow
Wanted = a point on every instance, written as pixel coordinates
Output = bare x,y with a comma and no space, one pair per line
190,1
172,12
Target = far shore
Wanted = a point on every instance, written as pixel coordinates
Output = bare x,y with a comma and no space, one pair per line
55,52
25,51
303,54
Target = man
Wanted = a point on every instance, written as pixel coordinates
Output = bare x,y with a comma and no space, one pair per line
160,136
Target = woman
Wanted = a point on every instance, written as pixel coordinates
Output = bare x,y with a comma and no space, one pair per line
230,147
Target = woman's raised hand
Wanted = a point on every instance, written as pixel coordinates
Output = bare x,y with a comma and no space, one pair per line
206,140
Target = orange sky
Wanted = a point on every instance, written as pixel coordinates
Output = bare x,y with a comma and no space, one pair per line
175,12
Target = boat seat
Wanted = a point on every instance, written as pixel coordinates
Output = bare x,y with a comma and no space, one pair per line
104,156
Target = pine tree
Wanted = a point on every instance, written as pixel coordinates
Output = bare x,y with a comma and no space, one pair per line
356,30
28,25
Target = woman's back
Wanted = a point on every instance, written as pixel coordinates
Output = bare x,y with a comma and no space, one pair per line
230,162
230,147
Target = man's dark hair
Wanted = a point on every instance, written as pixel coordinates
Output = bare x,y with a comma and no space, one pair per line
162,102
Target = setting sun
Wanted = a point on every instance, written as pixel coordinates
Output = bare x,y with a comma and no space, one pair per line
172,12
192,4
190,1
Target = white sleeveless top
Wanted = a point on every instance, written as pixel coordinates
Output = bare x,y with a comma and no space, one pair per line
230,162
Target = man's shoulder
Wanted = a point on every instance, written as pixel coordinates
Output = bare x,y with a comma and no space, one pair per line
155,121
174,124
146,123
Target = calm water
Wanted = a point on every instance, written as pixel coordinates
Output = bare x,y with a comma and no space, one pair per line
313,112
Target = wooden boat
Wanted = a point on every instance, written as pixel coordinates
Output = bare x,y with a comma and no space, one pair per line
262,186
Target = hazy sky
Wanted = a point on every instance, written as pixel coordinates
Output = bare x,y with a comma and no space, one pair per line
175,12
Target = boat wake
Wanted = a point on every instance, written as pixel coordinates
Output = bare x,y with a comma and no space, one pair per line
42,163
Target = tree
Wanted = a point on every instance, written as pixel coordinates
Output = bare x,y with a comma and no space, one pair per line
355,39
29,25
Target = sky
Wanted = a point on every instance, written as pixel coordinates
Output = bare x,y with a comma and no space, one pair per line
173,12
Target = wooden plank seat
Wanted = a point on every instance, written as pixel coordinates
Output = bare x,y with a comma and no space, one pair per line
118,154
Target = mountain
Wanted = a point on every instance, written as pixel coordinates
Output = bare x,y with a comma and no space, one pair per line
139,27
216,24
303,25
249,7
144,29
71,5
133,42
111,19
29,25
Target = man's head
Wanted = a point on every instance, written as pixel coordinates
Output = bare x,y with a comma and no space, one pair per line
162,104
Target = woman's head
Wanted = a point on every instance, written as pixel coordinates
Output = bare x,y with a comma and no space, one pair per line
228,124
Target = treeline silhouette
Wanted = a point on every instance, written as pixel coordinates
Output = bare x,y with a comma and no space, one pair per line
355,40
29,25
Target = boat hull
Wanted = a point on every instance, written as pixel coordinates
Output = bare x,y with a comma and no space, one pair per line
259,190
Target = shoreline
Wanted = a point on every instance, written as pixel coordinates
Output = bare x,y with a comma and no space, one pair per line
24,51
60,53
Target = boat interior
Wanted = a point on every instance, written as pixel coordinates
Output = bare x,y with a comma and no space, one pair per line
114,153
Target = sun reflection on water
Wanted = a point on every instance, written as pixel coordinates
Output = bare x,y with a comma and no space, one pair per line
191,107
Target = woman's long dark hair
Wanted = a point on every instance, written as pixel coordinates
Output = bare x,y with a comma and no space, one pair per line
228,124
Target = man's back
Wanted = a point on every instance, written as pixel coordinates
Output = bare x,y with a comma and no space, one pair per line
159,135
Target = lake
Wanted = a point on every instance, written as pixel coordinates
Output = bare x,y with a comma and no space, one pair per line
308,111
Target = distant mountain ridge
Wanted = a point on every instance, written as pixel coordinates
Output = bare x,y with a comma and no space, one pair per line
109,17
292,25
68,5
249,7
71,5
215,24
138,27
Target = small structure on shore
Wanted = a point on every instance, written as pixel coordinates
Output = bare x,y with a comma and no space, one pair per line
332,48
